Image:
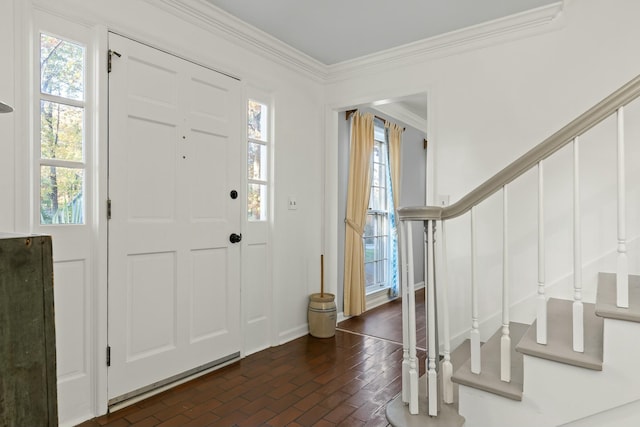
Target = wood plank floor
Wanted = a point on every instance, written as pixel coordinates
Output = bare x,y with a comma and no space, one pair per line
385,322
346,381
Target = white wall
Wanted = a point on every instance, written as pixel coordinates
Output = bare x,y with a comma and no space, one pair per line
491,104
298,144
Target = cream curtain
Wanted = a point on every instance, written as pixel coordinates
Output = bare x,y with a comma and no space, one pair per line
394,133
357,204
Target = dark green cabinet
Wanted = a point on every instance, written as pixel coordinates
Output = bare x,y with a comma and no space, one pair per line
27,332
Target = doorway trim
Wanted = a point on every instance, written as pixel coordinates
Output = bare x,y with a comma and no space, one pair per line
332,218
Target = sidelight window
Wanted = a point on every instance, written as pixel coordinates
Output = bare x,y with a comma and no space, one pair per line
62,131
257,160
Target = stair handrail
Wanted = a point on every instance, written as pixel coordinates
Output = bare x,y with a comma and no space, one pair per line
596,114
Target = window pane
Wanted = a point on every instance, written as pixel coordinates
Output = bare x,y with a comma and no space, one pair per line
381,249
378,131
374,199
61,195
61,131
378,224
369,249
383,175
376,153
382,199
257,161
375,175
381,271
369,274
369,227
257,202
384,225
257,121
61,68
378,199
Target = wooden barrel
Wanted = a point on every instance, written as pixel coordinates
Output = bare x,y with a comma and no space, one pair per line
322,315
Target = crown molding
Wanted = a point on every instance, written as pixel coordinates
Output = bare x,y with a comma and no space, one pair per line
528,23
216,20
213,19
406,116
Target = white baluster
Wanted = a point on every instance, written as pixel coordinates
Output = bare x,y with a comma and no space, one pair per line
505,340
622,274
541,321
405,310
475,331
413,362
432,351
447,366
578,310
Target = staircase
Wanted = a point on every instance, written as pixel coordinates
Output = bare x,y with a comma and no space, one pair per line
575,365
554,378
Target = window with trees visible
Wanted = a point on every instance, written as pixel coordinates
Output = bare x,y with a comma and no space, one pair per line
257,160
62,124
377,232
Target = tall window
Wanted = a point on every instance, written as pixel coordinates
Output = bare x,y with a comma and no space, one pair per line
62,124
377,232
257,160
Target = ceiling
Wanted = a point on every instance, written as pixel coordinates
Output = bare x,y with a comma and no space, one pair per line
335,31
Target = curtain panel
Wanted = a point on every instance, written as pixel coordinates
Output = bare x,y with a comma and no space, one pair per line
394,136
358,192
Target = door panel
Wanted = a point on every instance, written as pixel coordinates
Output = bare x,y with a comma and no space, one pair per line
174,277
151,191
207,323
150,331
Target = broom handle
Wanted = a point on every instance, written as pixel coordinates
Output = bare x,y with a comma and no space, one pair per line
321,276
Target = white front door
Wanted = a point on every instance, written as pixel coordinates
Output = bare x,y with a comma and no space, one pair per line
174,159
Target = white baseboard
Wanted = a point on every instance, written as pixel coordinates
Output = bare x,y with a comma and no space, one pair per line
379,298
76,421
293,333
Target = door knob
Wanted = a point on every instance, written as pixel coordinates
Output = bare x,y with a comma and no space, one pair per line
235,238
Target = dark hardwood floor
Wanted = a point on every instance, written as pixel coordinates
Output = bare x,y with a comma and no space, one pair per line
385,322
341,381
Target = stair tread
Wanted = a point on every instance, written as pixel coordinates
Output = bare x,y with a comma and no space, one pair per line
559,347
606,299
462,353
489,377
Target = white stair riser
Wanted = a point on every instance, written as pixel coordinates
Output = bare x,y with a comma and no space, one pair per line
556,393
621,343
482,409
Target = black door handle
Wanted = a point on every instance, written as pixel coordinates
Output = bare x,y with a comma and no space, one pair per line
235,238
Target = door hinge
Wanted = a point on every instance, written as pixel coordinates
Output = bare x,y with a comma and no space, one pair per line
110,56
108,356
108,208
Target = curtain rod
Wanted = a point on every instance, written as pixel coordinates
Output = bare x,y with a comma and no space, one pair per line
349,113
